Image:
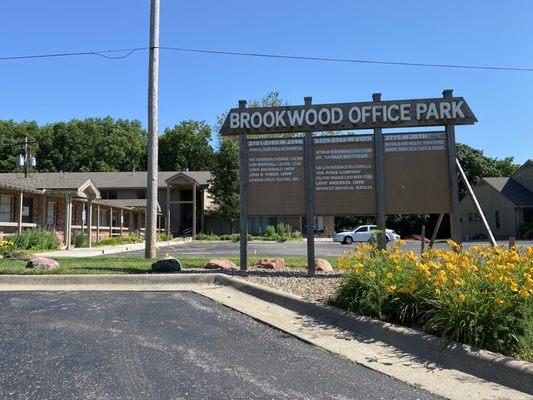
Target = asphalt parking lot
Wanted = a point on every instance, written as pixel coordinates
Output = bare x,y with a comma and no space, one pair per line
271,249
134,345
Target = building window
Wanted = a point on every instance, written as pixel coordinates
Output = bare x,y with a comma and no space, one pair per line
141,194
477,218
110,194
6,208
497,217
470,217
51,213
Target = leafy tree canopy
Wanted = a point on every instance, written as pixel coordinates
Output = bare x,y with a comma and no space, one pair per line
186,146
92,144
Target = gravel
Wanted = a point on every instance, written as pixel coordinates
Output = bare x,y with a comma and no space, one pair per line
317,288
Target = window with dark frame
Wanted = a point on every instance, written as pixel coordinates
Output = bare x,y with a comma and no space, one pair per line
497,217
6,208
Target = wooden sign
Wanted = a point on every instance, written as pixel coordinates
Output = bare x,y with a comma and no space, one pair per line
276,183
377,174
348,116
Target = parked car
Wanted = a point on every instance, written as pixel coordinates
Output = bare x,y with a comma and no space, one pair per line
363,233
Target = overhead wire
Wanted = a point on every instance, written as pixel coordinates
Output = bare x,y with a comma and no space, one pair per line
130,51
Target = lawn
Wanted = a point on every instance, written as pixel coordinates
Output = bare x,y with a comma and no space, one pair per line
124,265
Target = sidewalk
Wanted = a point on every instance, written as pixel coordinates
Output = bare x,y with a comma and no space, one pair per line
105,250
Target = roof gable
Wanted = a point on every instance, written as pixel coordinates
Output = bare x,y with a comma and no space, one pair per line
513,191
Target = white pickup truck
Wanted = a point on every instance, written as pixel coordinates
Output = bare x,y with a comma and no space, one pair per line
363,233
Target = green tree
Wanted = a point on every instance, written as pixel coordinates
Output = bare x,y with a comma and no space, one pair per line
225,181
186,146
12,135
225,170
92,144
477,165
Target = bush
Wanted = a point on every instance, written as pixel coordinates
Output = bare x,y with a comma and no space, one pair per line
80,240
6,246
164,237
118,240
36,239
270,231
481,297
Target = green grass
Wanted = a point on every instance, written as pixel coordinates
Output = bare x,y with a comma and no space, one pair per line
124,265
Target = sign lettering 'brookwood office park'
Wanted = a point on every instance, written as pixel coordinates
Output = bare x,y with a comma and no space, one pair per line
347,116
347,174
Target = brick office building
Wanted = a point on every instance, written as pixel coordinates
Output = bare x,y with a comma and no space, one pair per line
114,203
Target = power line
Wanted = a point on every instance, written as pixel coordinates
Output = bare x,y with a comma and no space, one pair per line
130,51
101,53
348,60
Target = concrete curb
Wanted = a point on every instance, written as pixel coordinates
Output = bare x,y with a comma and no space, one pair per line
484,364
480,363
104,250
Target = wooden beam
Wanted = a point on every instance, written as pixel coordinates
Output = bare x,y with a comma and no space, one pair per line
309,197
68,222
168,209
19,215
194,211
97,222
202,214
379,181
243,205
455,222
89,221
436,230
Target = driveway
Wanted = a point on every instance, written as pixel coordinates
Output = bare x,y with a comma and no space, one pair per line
135,345
271,249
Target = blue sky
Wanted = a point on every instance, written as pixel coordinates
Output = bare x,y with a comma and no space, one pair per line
194,86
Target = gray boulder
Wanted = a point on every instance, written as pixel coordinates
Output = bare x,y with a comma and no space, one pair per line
166,265
42,263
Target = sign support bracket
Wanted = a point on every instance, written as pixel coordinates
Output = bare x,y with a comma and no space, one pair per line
476,203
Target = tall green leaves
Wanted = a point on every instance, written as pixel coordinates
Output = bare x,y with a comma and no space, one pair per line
225,182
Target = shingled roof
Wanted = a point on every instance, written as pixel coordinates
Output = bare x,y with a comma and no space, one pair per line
519,195
102,180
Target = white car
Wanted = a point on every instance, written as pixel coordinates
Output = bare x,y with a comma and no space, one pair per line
363,233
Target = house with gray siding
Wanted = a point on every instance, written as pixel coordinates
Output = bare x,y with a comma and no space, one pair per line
507,203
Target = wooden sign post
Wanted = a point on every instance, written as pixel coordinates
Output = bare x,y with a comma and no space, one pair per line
309,197
347,174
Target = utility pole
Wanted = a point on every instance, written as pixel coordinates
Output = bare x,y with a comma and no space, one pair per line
152,186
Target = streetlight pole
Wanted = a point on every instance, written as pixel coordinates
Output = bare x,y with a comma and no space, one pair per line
153,72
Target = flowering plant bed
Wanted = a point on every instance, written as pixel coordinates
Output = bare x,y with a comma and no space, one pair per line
481,297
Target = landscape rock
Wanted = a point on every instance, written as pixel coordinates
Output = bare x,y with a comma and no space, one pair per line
323,265
42,263
166,265
19,256
269,263
225,265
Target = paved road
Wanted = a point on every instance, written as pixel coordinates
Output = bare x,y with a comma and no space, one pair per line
120,345
322,248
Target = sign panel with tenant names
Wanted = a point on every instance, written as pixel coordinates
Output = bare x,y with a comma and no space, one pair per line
276,177
344,175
